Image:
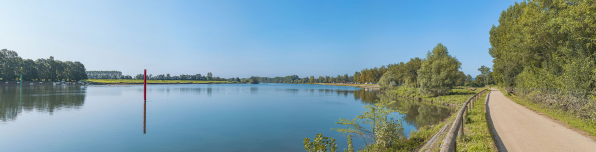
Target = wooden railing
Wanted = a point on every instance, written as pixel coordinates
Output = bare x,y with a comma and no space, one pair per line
449,143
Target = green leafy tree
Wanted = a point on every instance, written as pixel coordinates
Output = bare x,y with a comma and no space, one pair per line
388,80
253,80
546,50
438,72
209,76
385,133
12,66
485,72
357,77
468,80
411,71
320,144
461,79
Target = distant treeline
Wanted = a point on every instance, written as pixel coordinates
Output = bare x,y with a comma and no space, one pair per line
118,75
106,75
400,74
208,77
311,79
12,66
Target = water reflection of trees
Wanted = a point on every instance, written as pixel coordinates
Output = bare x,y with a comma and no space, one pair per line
40,98
416,113
367,97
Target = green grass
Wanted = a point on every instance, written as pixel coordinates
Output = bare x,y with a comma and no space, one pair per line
560,115
133,81
456,96
477,131
479,138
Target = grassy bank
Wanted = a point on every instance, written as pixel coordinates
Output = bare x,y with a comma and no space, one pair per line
456,96
478,136
568,119
134,81
424,134
477,131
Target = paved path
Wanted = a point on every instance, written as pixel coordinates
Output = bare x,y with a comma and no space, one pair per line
521,129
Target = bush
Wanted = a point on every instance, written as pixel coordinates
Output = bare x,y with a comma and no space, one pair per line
578,102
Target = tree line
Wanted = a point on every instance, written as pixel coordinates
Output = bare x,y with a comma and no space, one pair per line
545,49
545,44
38,70
436,74
296,79
106,75
441,74
208,77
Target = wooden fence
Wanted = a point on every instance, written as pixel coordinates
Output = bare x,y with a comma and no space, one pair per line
449,143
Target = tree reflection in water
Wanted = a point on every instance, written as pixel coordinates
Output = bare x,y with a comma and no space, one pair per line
45,99
416,113
51,98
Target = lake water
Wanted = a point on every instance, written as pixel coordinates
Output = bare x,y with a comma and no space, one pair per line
199,117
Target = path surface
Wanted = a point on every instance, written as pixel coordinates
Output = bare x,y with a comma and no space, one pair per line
521,129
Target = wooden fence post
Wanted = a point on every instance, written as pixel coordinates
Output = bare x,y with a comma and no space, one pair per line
465,115
461,130
471,104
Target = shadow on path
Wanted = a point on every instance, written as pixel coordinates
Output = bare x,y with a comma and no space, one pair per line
496,137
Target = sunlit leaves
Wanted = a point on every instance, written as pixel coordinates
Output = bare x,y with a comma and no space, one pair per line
320,144
438,72
375,126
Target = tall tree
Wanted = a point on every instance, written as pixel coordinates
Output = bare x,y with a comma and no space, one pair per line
438,72
485,71
209,76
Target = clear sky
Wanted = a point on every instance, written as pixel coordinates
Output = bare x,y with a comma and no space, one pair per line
248,37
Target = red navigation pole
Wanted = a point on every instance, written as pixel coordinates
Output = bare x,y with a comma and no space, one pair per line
145,86
145,104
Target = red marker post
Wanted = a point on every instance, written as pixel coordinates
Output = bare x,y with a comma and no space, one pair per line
145,86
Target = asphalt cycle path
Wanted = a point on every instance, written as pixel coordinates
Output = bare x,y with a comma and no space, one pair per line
521,129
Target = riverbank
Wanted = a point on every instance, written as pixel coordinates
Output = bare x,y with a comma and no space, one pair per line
454,98
477,131
135,81
365,86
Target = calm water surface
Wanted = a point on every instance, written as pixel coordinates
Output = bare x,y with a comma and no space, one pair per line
200,117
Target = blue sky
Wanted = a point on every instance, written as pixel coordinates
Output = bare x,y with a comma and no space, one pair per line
248,38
